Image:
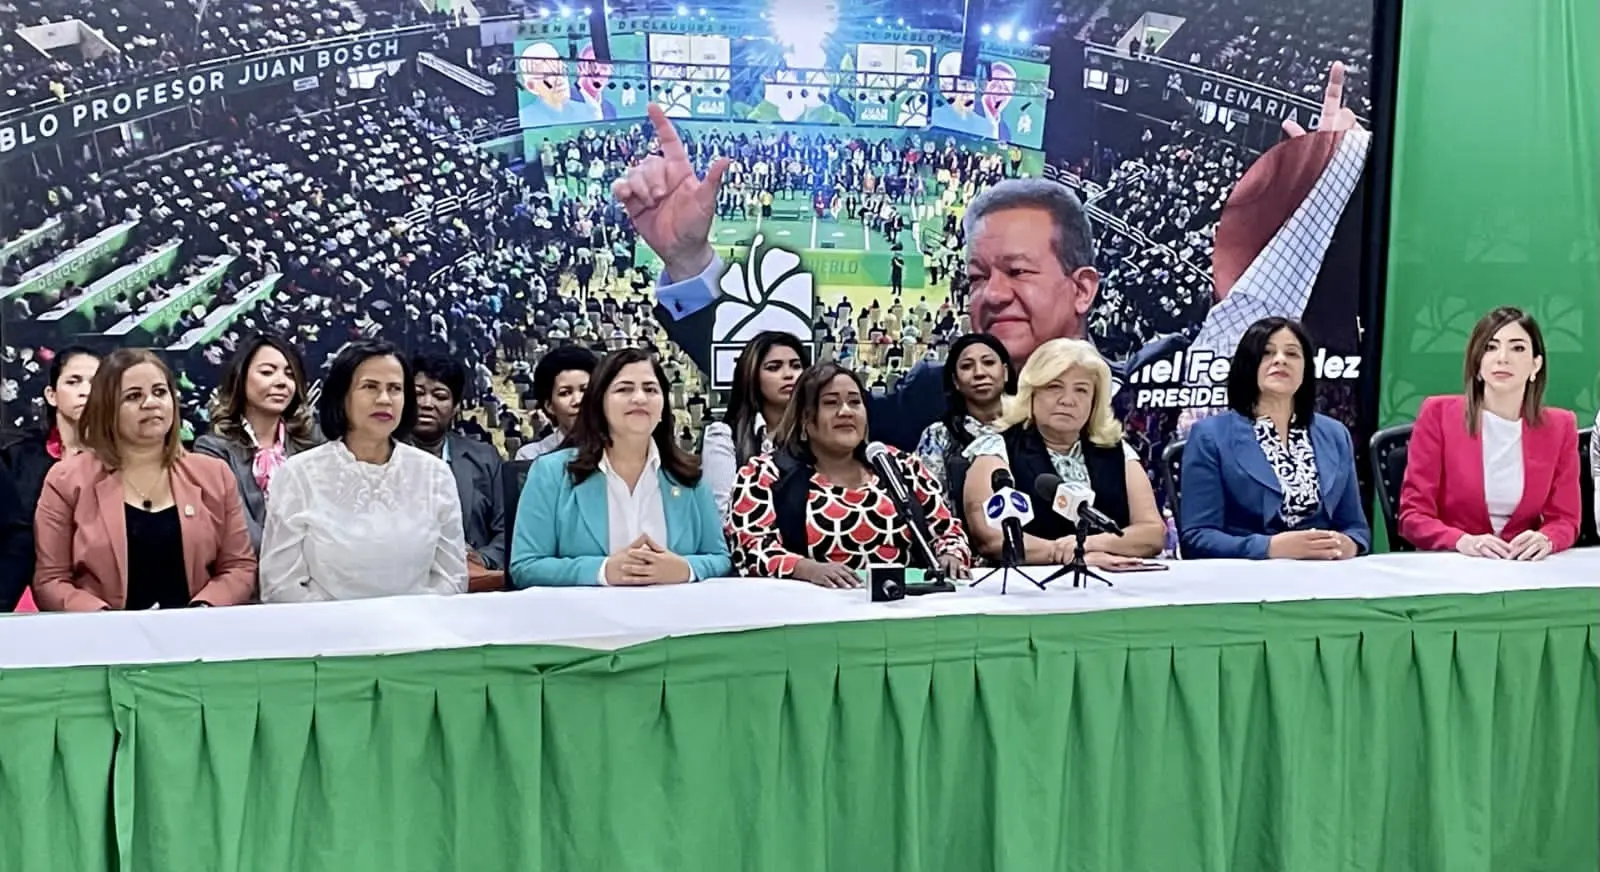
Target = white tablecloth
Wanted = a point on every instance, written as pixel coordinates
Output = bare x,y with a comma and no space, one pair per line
608,618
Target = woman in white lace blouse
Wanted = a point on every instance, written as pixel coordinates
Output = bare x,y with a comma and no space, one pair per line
364,515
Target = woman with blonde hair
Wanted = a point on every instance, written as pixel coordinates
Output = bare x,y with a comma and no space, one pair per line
136,522
1060,423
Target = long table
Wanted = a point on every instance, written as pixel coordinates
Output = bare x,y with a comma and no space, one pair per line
1407,712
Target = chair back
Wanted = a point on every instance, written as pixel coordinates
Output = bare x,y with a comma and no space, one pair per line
1587,532
1388,473
513,475
1172,474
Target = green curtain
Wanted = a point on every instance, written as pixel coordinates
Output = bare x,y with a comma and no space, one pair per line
1456,734
1496,192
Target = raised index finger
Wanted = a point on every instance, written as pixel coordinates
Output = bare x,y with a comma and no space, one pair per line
1333,96
671,145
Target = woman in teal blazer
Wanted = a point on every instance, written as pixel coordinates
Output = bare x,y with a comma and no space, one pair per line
625,506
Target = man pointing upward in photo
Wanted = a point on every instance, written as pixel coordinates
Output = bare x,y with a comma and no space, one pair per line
1029,253
1030,258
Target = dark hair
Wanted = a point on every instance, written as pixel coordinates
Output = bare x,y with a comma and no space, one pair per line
1244,378
97,430
591,435
1074,238
1478,346
443,369
791,435
555,362
745,400
342,373
955,405
228,403
57,365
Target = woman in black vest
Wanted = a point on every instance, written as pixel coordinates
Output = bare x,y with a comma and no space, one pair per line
1060,423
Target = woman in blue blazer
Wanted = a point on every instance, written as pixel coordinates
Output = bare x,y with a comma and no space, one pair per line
625,506
1271,478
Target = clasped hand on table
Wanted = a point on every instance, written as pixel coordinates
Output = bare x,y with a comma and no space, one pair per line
1527,545
645,562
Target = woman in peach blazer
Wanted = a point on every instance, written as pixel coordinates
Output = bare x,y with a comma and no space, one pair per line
135,521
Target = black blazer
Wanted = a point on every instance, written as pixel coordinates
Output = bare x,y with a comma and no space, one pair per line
28,461
1030,459
16,543
480,484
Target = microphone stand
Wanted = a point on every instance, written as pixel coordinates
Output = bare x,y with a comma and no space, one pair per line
934,580
1008,565
1078,568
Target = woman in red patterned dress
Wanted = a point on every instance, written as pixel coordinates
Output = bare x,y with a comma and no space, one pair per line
813,509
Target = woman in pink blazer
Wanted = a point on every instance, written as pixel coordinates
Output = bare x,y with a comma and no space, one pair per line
1494,473
134,521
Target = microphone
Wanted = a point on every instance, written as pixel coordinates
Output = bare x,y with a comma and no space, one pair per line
1075,503
894,479
1007,511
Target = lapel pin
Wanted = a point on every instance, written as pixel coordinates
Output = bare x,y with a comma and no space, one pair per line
188,511
674,492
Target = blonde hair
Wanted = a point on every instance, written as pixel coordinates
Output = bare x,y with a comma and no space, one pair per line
1051,361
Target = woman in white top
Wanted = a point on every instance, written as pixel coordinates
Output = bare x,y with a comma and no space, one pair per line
364,515
763,381
559,382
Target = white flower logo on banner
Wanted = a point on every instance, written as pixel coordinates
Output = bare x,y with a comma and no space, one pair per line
769,291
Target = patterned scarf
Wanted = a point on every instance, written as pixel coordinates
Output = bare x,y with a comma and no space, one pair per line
268,460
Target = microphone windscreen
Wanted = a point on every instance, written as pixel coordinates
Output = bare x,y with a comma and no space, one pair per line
1044,487
1001,478
875,450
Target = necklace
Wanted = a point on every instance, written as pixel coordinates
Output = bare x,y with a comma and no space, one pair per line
147,502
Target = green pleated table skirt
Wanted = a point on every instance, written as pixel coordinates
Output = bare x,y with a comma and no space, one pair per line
1447,733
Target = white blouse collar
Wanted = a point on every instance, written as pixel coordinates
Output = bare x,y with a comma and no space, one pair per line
652,461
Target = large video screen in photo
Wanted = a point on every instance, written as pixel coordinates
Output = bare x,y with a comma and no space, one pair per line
891,84
556,86
1005,103
690,75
